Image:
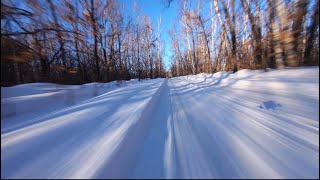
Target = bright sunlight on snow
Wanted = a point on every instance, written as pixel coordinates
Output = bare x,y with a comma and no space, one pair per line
248,124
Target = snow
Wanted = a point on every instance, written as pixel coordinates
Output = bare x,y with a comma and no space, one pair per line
30,101
248,124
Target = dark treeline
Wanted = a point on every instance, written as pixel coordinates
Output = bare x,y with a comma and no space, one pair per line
77,41
228,35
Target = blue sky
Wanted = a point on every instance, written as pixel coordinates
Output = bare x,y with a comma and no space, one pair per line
154,9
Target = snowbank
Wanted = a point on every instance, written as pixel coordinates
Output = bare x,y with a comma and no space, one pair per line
26,101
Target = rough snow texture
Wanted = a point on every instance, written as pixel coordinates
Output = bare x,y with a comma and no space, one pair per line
251,124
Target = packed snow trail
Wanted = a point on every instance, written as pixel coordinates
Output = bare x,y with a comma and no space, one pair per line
251,124
78,141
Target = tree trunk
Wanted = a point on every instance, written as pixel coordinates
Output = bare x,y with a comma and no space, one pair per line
311,36
256,33
287,36
95,35
297,27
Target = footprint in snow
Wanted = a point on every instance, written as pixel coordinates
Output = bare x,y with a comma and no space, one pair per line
270,105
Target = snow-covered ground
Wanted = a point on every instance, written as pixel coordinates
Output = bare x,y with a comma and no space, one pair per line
29,101
250,124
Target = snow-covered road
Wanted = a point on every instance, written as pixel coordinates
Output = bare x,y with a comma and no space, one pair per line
251,124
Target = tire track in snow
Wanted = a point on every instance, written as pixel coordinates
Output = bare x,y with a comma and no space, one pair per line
192,160
300,149
123,161
215,157
97,136
269,121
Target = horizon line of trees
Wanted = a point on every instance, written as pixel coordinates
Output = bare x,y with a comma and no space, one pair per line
77,41
229,35
81,41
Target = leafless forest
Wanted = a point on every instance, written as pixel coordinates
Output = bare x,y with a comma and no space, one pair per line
246,34
80,41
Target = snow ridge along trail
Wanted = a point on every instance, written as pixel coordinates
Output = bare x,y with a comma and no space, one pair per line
250,124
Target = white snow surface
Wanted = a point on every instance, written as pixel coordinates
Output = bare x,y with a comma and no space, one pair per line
248,124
